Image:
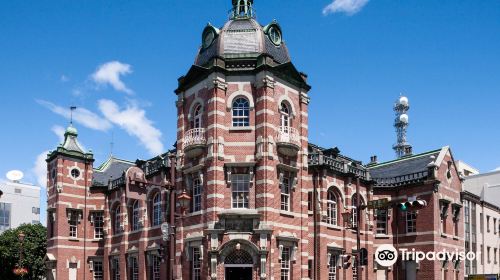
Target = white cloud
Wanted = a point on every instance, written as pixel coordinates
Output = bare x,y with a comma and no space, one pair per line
80,115
59,131
110,73
497,169
64,78
133,120
349,7
40,169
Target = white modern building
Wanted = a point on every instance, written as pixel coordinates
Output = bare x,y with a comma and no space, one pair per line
466,169
19,204
481,199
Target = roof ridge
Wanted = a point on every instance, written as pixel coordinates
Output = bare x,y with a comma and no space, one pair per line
110,159
405,158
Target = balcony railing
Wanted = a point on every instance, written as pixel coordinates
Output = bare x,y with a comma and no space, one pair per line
288,135
194,137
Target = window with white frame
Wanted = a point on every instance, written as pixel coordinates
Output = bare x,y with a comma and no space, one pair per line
382,221
354,212
73,224
285,263
98,271
135,216
411,221
117,219
155,267
241,112
98,225
196,264
332,265
331,208
197,115
285,115
197,188
285,192
134,268
115,268
157,209
240,188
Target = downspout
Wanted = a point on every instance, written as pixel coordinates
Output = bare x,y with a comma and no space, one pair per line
171,242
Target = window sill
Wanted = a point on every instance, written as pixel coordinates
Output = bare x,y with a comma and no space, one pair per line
382,236
334,227
74,239
287,213
241,129
197,213
97,239
310,213
456,238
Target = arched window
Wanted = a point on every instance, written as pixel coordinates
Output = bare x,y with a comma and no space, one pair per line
285,115
354,213
135,215
157,209
117,224
331,208
241,112
197,195
197,114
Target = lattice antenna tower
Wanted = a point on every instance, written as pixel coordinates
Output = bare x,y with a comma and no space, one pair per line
401,123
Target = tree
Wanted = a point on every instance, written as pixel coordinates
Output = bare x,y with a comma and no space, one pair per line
34,250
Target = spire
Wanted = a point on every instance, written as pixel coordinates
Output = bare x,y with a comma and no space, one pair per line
242,9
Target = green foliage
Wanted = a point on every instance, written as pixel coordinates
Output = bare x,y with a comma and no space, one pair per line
34,250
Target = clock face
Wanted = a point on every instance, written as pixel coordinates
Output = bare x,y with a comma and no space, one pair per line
275,35
208,38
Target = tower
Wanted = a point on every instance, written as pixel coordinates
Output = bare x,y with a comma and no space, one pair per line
401,123
69,170
241,153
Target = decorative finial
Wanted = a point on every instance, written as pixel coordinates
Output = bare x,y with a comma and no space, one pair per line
401,123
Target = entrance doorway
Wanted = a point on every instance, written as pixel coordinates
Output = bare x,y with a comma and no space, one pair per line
238,266
238,273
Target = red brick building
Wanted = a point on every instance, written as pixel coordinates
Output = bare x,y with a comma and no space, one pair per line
245,195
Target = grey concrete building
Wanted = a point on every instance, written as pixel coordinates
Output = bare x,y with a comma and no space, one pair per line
19,204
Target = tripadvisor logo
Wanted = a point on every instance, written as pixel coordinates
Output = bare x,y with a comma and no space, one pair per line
387,255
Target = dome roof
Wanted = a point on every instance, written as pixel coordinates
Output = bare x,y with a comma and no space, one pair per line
242,38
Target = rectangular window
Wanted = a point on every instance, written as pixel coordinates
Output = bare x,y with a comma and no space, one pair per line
155,273
382,221
240,184
17,190
310,201
98,271
5,212
332,267
487,223
134,268
115,269
482,254
196,264
488,251
35,210
285,263
481,223
496,255
411,221
73,225
285,192
495,225
51,225
354,268
98,225
197,195
310,269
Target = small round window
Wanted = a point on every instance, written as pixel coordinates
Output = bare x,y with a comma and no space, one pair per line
275,35
75,173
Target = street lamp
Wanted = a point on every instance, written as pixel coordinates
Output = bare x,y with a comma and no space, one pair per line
20,270
184,200
21,237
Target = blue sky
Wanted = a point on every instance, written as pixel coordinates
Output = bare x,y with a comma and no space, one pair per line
119,61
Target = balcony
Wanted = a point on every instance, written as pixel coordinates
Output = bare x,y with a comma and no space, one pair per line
288,141
194,142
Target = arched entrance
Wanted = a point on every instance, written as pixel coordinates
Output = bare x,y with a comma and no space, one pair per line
238,266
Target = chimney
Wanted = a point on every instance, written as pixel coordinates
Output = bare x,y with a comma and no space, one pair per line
408,151
373,160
